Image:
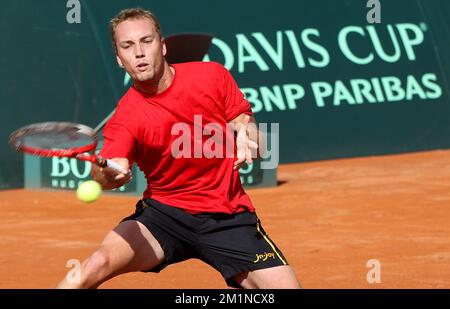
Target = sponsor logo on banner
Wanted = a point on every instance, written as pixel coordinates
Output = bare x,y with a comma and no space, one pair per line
270,52
285,53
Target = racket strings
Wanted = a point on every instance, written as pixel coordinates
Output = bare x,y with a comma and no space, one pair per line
46,139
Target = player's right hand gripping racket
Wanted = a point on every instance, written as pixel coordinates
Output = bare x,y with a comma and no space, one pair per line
61,139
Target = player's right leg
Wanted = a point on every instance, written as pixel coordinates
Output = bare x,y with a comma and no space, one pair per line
129,247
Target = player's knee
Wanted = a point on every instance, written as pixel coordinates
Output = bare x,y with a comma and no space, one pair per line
290,283
279,283
270,278
93,271
97,265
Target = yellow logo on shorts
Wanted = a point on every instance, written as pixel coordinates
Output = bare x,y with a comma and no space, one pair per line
264,256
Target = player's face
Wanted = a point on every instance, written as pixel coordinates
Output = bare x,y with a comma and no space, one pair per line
140,49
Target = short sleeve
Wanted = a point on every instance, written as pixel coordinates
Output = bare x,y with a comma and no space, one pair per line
118,141
234,101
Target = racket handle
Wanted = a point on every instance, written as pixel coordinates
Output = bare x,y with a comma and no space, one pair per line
115,166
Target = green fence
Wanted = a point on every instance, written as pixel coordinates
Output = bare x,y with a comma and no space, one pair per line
337,85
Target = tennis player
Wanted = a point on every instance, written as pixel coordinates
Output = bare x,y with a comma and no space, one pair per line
194,205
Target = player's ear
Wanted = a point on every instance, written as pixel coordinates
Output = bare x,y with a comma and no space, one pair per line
119,61
164,49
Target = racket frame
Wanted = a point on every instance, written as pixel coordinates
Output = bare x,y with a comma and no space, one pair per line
75,152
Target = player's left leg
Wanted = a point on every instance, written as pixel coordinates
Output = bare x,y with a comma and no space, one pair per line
238,246
279,277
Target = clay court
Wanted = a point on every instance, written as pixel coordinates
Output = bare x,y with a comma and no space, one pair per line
329,218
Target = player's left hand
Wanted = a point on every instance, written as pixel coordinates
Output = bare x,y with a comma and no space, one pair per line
246,148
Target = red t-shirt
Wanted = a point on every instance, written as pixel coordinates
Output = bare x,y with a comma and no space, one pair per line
142,130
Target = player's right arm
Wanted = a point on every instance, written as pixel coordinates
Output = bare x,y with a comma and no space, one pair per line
108,178
119,147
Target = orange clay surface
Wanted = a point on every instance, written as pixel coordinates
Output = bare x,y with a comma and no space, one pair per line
329,218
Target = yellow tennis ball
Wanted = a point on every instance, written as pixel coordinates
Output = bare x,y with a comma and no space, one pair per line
89,191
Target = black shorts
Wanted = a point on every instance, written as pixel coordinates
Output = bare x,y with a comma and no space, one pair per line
232,244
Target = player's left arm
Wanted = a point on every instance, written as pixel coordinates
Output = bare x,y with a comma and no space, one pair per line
239,115
249,139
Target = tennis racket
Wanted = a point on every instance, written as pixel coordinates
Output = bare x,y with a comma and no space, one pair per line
61,139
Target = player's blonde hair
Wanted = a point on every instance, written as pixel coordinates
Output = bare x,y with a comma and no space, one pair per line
132,13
